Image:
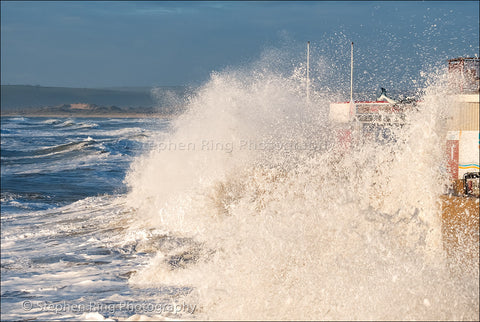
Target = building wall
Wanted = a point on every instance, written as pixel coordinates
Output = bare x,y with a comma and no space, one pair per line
463,139
465,117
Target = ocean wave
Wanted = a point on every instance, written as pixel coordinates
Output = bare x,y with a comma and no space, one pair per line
51,121
9,196
18,119
330,233
74,125
76,146
64,148
78,161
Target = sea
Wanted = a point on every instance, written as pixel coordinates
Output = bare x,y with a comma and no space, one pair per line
248,205
64,251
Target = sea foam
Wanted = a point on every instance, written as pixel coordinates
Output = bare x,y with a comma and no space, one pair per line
284,222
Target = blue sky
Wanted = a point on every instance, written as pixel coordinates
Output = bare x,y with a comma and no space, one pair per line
122,43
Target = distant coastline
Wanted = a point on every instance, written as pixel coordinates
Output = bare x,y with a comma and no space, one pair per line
39,101
89,115
84,110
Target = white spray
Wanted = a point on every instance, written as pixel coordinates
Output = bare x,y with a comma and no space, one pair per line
288,225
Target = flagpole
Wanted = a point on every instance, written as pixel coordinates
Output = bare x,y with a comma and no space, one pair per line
351,80
351,74
308,72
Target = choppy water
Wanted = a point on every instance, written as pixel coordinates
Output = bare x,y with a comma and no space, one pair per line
243,207
64,224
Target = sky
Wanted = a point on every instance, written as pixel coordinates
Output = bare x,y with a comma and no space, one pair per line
161,43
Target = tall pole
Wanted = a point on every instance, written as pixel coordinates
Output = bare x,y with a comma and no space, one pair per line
351,74
351,81
308,72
